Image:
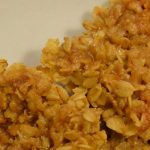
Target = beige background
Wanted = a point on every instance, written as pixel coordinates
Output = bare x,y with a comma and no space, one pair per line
25,25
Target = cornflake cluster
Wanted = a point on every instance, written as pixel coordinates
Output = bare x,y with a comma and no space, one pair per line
91,92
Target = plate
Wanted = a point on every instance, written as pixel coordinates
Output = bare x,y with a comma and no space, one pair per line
26,25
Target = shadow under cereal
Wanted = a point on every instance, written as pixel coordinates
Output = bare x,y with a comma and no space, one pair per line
32,58
78,31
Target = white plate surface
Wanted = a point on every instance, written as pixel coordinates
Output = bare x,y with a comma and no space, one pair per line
25,25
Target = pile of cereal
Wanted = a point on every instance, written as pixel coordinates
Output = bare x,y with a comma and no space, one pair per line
91,92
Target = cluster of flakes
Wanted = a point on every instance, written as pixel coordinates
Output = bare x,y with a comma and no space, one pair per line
36,113
111,62
91,92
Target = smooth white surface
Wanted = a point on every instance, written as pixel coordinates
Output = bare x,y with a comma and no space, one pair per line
25,25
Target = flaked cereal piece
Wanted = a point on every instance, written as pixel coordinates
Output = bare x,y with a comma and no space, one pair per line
64,148
94,93
4,138
90,82
90,73
116,123
51,48
34,102
50,112
98,139
42,122
72,135
3,65
57,94
145,135
67,44
3,101
108,114
135,6
13,130
45,142
10,115
28,130
89,116
130,130
79,99
123,88
62,93
135,119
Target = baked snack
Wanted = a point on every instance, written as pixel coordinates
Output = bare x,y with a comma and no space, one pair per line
91,92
